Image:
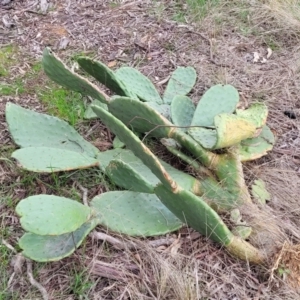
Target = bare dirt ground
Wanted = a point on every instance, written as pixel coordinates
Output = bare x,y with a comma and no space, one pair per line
144,34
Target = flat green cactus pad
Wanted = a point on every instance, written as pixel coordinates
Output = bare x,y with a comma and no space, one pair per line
193,210
40,130
138,84
182,111
140,116
260,192
232,129
49,160
257,147
136,214
123,175
104,75
44,248
51,215
135,145
181,83
218,99
59,73
89,113
256,114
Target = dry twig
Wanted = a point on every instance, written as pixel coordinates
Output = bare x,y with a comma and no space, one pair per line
36,284
115,242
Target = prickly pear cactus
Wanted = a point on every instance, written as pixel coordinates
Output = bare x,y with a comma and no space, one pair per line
216,100
40,130
56,143
44,248
181,83
257,147
52,215
136,214
52,160
138,84
182,111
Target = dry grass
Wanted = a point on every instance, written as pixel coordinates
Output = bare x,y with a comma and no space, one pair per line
145,36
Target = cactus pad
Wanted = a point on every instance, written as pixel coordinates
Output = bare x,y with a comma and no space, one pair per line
44,248
59,73
40,130
138,84
140,116
257,147
51,215
232,129
218,99
256,114
181,83
260,192
182,111
136,214
123,175
49,160
104,75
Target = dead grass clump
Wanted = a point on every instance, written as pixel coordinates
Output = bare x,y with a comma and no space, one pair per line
288,264
285,12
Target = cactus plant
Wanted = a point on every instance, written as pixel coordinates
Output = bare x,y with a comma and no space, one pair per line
219,186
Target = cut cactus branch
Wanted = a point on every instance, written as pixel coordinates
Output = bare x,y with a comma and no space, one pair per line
59,73
195,212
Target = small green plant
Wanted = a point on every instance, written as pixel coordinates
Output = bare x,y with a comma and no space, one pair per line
66,104
6,58
12,89
214,138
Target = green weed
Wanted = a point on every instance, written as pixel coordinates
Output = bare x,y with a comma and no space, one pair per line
80,285
65,104
6,58
16,88
200,8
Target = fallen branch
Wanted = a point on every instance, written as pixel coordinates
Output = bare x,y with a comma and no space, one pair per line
84,193
114,241
37,285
